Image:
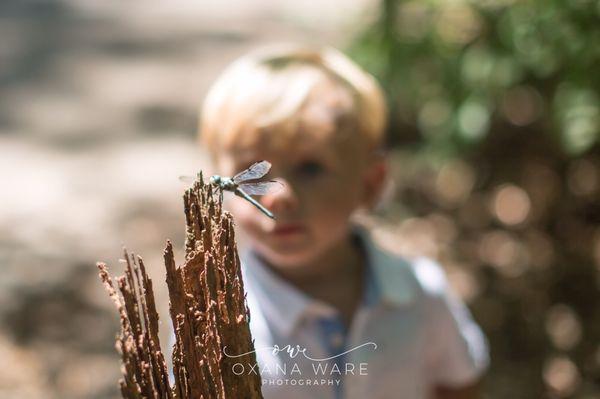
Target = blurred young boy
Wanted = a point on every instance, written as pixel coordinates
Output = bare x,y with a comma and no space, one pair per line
332,315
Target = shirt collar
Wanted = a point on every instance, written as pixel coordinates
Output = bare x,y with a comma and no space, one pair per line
388,280
392,275
282,303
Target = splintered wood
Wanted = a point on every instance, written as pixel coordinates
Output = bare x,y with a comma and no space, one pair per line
207,307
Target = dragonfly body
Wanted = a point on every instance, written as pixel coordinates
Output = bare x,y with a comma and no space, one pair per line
240,193
244,185
226,183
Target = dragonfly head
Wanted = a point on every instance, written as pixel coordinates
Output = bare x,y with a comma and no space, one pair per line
215,180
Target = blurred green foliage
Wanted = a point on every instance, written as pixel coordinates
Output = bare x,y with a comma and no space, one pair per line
502,97
455,70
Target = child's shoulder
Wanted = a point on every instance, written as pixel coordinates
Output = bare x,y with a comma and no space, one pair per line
456,347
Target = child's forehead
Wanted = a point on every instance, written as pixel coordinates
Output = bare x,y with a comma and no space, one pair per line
324,125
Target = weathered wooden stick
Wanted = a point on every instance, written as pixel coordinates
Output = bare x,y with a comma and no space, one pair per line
207,308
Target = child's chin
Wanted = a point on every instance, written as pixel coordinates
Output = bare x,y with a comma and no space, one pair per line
290,257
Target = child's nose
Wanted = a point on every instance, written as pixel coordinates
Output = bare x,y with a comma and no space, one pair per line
283,200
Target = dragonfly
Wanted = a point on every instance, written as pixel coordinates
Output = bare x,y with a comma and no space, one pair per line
244,184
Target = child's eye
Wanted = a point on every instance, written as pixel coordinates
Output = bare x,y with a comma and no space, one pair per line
310,169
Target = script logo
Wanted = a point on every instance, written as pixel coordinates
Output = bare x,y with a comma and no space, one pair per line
294,351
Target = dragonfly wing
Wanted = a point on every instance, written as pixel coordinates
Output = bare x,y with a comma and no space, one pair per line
255,171
261,188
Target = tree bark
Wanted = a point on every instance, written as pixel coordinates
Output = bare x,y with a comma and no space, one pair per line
207,308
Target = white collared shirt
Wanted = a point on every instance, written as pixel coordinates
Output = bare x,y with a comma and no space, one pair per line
409,334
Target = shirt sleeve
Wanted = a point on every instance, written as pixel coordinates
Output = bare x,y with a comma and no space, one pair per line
458,351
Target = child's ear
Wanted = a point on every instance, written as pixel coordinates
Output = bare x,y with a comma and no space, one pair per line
375,179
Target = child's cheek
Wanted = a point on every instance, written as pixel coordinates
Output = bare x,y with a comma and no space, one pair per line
338,198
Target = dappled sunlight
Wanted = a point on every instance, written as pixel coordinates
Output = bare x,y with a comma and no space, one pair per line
494,132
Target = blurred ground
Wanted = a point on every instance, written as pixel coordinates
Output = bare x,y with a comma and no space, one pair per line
98,105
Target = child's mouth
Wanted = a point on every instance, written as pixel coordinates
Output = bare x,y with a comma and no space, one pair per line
288,230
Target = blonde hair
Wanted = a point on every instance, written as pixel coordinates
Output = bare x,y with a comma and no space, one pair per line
266,90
